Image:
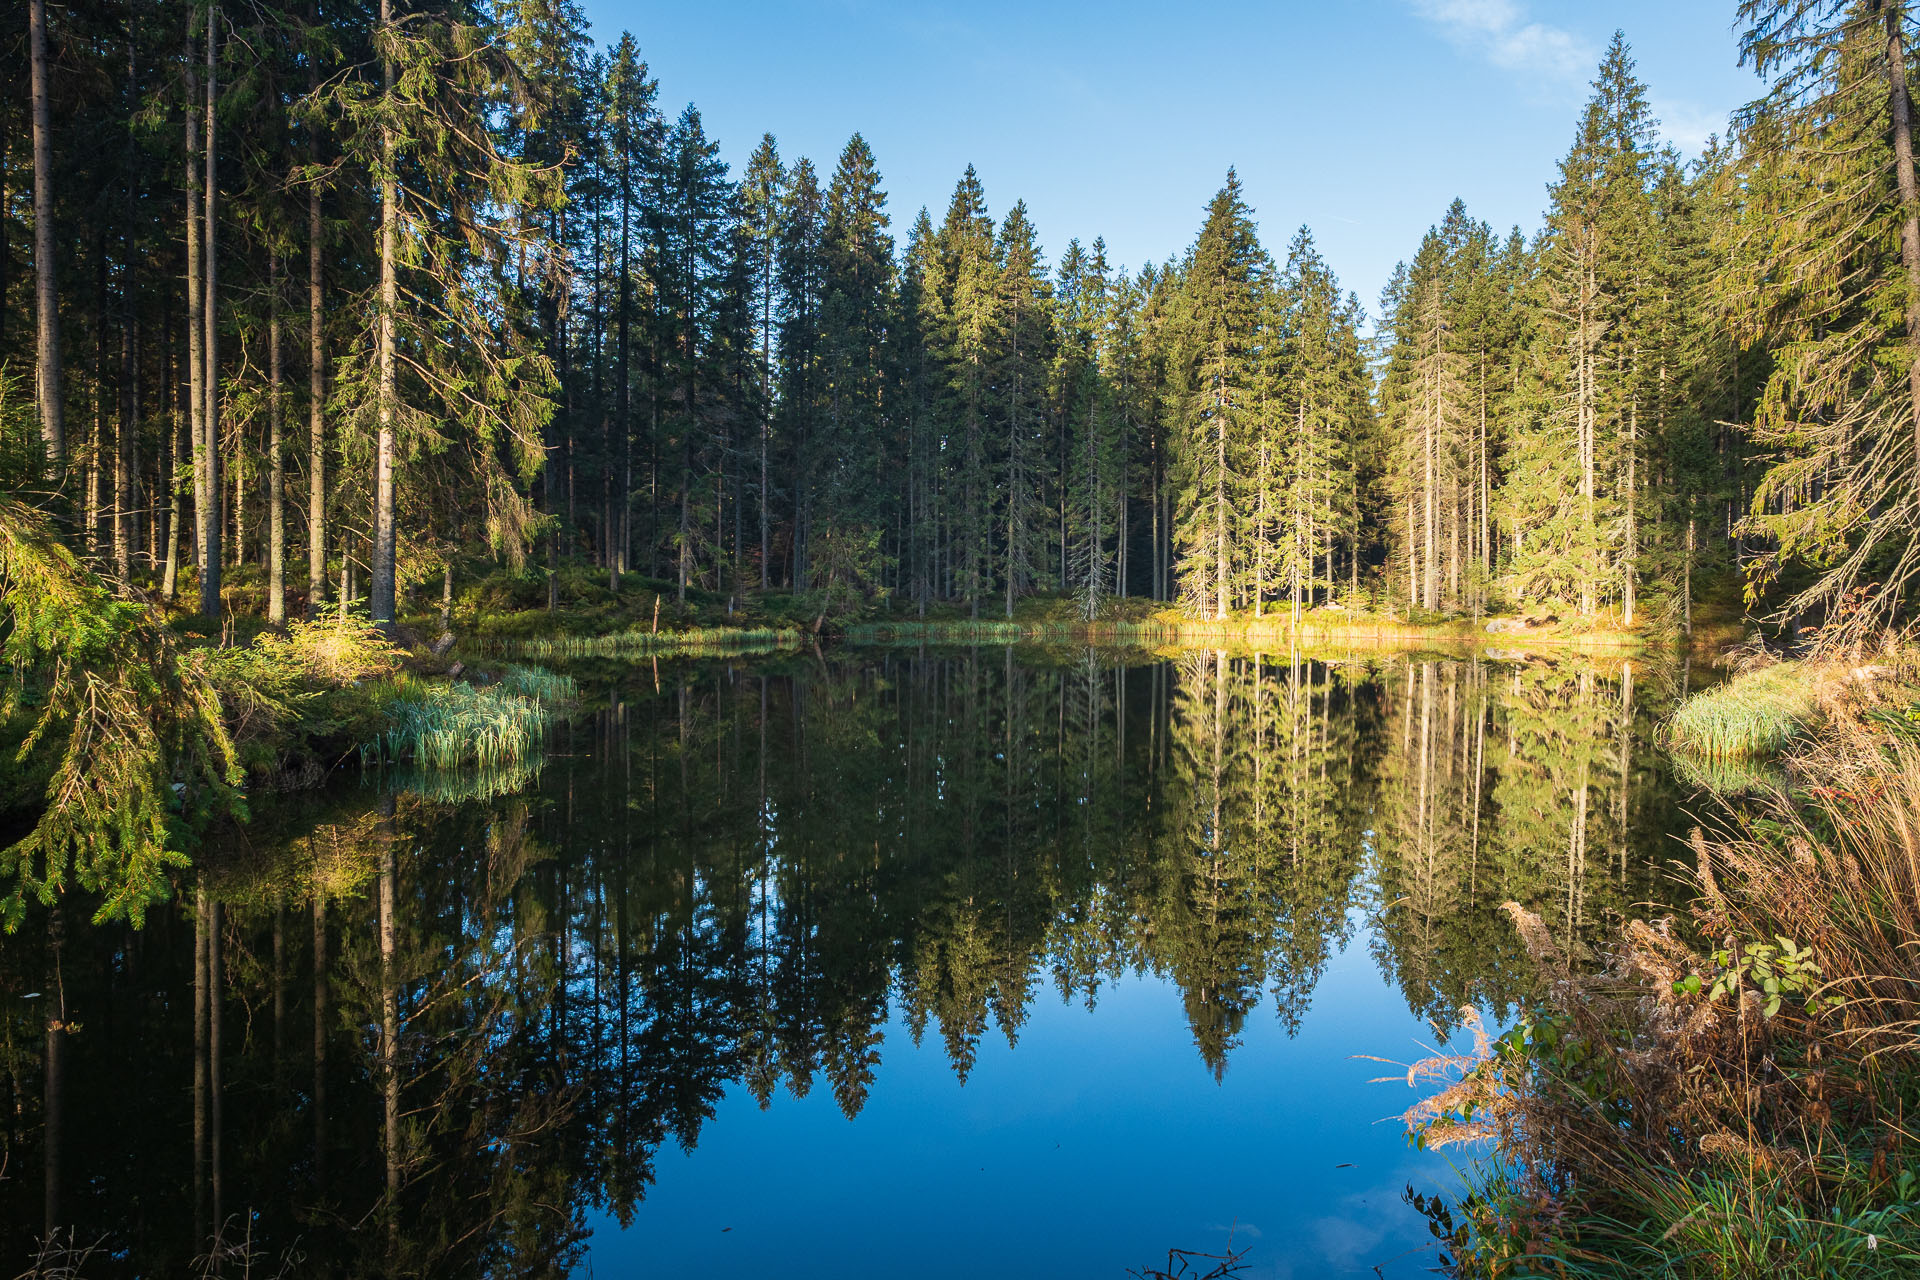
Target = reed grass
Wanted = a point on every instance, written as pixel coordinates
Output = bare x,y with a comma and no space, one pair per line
1757,713
539,684
467,783
454,725
717,641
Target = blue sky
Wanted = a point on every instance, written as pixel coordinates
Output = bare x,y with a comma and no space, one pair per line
1359,118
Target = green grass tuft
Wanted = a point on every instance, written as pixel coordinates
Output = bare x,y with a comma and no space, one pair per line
453,725
1756,714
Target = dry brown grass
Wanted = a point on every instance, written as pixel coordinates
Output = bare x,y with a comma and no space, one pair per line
1742,1075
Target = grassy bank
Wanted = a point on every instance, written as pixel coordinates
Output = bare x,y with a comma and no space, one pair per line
690,642
1764,710
1757,713
1154,626
1727,1093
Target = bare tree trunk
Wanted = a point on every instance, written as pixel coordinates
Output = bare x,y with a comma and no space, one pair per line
316,393
1220,516
1902,104
125,463
276,457
196,305
210,521
1589,291
381,595
177,452
95,517
623,359
1632,566
53,433
1686,582
1430,582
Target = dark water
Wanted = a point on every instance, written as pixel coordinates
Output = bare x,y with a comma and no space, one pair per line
887,962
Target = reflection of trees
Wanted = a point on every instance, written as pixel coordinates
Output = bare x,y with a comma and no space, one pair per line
433,1032
1503,781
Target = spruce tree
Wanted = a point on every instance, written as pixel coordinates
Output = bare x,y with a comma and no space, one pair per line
968,291
854,462
1827,172
1020,361
760,212
1213,398
802,271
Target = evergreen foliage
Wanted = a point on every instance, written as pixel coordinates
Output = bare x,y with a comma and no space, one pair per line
541,316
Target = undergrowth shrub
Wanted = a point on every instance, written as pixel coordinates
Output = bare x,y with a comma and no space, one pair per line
1728,1095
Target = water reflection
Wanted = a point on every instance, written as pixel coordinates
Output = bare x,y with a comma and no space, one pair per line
402,1031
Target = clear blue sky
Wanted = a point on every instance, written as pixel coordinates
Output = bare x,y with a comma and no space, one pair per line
1360,118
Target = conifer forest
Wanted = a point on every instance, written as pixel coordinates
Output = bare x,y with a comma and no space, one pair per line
352,300
582,697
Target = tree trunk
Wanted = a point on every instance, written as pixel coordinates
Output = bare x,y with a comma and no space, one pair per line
1220,516
1902,104
210,522
316,393
196,304
1632,568
53,434
125,460
381,598
276,458
1686,582
176,450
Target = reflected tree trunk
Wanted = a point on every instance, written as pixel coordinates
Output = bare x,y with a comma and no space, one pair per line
55,1098
389,1032
215,964
200,995
319,1041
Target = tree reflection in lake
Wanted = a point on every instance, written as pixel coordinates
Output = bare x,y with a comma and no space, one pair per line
393,1033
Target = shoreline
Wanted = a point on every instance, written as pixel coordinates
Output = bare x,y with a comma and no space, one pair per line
1204,634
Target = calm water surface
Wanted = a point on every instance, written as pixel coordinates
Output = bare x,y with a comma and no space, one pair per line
942,963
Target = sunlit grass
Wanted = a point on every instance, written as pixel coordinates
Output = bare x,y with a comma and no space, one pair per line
1002,631
453,725
720,641
1171,628
1755,714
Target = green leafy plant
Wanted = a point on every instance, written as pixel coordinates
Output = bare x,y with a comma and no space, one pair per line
1775,972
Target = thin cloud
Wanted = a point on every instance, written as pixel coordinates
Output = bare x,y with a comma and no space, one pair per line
1500,32
1688,126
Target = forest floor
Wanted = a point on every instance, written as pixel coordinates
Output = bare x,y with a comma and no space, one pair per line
1725,1093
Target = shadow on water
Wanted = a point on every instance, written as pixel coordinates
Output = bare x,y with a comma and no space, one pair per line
442,1029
